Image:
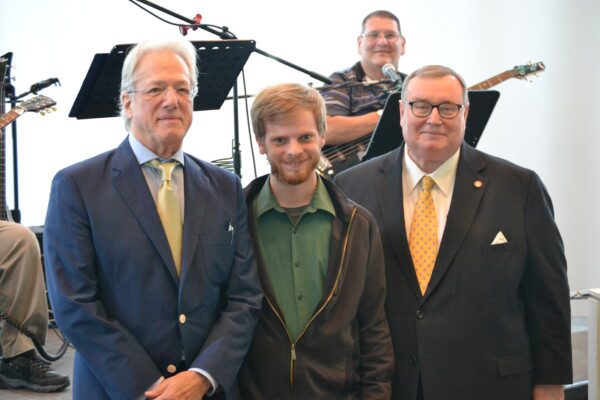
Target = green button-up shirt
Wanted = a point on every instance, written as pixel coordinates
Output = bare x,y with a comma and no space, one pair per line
296,256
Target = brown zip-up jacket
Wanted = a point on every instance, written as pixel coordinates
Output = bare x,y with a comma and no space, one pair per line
345,350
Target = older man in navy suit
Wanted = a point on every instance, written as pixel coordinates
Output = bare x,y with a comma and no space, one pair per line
477,292
150,269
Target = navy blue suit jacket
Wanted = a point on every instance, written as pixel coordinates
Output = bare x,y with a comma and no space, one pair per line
113,285
495,319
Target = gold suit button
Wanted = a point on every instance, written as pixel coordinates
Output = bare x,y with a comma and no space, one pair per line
171,369
182,318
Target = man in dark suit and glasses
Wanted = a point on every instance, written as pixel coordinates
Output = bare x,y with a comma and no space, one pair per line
477,298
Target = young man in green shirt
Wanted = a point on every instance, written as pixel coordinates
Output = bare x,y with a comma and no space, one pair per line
322,332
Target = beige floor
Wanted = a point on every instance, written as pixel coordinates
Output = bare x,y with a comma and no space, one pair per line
65,364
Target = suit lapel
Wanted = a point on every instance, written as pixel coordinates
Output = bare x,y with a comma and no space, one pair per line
129,181
389,193
196,192
466,198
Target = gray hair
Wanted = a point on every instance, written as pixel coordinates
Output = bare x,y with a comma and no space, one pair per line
179,47
435,71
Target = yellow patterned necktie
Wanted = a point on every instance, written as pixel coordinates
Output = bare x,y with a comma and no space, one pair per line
423,239
167,206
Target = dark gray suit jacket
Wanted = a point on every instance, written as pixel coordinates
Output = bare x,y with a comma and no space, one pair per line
495,319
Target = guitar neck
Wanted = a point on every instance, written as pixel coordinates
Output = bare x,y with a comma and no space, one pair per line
11,116
35,104
5,63
493,81
4,213
4,121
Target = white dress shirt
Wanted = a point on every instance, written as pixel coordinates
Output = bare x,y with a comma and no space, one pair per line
441,192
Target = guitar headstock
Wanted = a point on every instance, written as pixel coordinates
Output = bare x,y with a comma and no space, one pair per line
523,71
37,104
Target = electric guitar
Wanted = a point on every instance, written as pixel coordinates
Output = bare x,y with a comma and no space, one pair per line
40,104
5,64
519,72
338,158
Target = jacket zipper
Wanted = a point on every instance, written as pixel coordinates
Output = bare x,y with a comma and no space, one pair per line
293,348
333,290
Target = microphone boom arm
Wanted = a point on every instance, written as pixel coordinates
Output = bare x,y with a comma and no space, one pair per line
226,34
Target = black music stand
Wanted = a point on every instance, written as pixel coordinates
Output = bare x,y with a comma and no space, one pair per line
388,133
219,65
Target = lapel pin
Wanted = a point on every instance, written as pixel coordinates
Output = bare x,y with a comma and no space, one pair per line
478,183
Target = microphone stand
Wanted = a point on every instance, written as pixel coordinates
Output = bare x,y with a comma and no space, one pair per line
35,88
355,84
224,33
338,86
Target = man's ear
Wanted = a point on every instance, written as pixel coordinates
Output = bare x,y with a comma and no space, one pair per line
467,106
466,114
126,100
359,40
401,104
261,145
321,139
402,45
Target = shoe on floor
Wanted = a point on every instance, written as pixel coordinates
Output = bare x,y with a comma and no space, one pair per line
28,371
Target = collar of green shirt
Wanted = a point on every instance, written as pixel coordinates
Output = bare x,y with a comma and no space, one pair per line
320,200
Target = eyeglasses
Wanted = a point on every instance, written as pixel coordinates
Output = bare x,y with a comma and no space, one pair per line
182,92
374,35
423,109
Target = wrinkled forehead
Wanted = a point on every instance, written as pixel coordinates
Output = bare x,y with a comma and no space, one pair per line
159,65
435,89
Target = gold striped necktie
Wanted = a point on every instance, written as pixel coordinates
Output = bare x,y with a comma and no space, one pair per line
423,239
167,206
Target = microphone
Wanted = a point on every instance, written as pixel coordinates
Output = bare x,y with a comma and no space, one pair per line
36,87
390,71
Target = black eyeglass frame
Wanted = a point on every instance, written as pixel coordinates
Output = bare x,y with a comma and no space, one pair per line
432,106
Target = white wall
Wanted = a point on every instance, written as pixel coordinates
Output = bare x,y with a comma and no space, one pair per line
549,125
